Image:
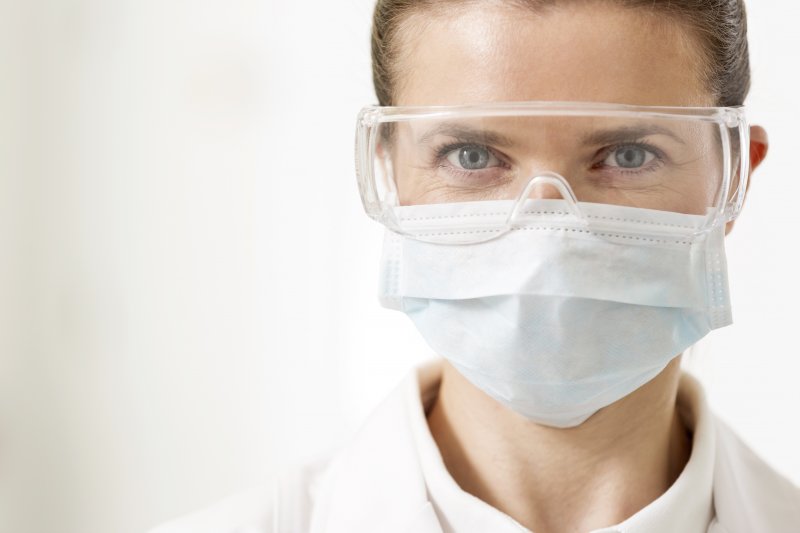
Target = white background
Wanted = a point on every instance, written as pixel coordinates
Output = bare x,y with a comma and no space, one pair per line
187,291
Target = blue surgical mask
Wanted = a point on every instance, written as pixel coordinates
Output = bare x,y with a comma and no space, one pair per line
562,315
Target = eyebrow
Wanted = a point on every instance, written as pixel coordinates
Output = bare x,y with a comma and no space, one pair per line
627,134
467,134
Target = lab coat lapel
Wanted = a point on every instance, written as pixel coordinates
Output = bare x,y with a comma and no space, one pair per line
350,499
748,495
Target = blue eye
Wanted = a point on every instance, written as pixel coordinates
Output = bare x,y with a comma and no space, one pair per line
630,156
472,157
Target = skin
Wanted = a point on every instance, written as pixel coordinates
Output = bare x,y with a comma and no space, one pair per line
629,453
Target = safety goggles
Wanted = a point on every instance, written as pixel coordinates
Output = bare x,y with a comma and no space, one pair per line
409,160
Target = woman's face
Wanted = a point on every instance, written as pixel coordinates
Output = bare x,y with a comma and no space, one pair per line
591,52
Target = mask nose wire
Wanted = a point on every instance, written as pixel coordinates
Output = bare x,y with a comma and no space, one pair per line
547,178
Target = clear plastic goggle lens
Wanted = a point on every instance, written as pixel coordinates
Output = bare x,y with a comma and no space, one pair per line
659,161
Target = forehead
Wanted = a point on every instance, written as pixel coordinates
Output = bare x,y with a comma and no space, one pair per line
581,51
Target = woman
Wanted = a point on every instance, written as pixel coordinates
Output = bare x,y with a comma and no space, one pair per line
555,232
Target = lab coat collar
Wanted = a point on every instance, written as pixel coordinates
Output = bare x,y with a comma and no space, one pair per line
377,482
749,495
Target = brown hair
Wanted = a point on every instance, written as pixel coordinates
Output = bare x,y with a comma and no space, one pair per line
720,26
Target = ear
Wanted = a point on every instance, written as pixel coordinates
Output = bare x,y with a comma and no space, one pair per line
759,144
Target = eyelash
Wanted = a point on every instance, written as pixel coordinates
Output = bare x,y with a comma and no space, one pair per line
442,152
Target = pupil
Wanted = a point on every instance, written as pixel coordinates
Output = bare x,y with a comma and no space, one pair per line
473,157
631,157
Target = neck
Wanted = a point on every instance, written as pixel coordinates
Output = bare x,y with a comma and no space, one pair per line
575,479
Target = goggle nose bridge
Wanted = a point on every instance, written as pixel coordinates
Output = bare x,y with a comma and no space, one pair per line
546,178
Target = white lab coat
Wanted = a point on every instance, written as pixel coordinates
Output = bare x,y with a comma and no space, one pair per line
375,485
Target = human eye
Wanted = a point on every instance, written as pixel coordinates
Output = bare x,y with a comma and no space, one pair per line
470,164
630,158
467,169
470,157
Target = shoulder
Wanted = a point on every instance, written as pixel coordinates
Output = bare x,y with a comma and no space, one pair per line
283,503
748,493
337,490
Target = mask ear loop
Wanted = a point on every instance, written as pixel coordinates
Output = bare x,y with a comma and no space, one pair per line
557,181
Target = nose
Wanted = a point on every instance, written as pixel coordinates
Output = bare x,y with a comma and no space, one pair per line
543,190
